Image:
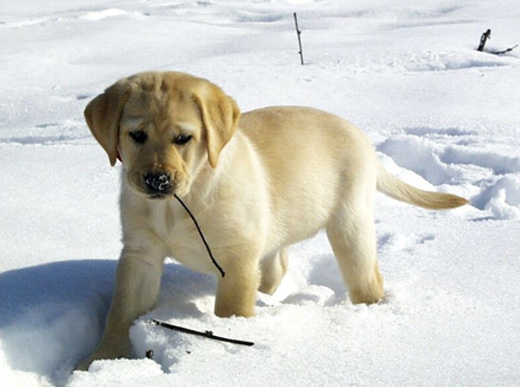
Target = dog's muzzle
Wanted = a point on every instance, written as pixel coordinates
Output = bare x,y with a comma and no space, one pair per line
159,184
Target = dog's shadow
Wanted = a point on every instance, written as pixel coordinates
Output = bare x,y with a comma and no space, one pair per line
52,315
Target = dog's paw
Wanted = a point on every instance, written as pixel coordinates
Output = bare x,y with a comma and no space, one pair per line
84,364
102,352
370,292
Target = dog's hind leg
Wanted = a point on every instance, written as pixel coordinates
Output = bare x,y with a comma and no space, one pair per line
351,234
273,269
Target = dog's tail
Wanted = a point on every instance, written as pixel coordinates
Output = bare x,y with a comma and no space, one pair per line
399,190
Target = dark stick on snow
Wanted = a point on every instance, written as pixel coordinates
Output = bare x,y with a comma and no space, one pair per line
487,35
299,33
207,334
483,39
201,236
505,51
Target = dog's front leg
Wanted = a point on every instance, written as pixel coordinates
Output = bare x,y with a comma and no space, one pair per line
236,292
136,290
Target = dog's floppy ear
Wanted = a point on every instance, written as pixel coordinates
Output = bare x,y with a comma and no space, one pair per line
220,114
103,114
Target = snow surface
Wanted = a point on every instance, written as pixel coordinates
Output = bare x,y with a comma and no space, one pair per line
442,116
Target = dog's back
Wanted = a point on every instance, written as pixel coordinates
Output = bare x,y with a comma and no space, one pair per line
295,137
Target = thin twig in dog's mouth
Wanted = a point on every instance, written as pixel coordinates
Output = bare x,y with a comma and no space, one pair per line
201,236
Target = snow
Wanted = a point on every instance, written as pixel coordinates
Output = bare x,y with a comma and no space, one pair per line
441,115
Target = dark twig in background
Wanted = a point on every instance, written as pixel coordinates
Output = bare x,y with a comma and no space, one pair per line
484,38
505,51
299,33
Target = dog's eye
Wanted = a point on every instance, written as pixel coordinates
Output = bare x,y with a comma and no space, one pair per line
182,139
139,136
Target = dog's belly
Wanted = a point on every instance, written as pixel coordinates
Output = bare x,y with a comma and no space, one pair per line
300,220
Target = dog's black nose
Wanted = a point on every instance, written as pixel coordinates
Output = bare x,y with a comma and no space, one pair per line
159,183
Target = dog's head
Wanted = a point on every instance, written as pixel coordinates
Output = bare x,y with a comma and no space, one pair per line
165,127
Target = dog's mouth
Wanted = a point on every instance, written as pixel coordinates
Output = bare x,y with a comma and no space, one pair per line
158,196
157,185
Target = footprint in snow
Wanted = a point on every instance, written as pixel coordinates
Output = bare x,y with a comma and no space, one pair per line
312,295
431,154
398,242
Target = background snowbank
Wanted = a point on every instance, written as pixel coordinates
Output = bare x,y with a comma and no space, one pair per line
442,116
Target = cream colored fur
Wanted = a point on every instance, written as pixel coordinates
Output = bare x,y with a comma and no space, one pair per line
256,183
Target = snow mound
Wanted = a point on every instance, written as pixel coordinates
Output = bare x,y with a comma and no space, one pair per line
142,372
501,198
313,294
451,61
50,312
103,14
498,163
418,155
431,155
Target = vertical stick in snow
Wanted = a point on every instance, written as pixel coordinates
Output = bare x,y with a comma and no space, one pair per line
298,32
483,39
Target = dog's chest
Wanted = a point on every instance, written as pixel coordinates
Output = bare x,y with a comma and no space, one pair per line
177,231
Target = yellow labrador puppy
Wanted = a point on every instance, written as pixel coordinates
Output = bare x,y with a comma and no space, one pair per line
256,182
